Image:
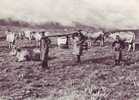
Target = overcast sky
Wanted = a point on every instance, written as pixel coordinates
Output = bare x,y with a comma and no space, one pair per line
104,13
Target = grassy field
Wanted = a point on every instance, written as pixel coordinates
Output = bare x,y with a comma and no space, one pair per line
96,78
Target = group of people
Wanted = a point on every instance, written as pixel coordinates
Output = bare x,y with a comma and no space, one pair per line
118,45
11,36
22,55
78,43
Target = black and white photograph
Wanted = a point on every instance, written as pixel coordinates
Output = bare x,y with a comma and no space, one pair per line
69,49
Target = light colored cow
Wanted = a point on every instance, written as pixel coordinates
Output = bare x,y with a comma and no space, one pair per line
94,35
37,36
128,37
22,55
22,35
25,55
97,36
28,35
47,33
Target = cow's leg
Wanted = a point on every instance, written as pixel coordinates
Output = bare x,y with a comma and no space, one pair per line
13,44
9,45
89,43
101,43
134,46
29,38
129,47
39,43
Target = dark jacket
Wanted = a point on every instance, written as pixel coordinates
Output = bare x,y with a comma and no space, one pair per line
118,45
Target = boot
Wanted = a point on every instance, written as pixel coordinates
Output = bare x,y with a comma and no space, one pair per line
45,65
78,59
116,62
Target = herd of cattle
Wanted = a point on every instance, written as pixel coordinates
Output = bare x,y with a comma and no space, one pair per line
129,38
11,36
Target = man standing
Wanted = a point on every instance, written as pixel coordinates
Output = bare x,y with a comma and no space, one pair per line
44,47
118,45
10,38
78,40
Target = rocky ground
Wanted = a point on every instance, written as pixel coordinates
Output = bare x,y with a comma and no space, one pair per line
96,78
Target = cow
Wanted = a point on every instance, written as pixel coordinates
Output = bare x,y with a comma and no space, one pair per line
22,55
127,37
20,35
37,37
28,35
96,36
27,55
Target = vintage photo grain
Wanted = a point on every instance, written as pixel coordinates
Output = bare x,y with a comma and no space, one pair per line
69,49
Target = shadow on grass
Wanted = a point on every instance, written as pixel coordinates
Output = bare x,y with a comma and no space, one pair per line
107,60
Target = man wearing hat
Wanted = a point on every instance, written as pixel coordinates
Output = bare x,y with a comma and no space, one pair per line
44,47
78,40
118,45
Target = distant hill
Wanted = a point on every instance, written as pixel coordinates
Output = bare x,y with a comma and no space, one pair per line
48,25
10,22
54,25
